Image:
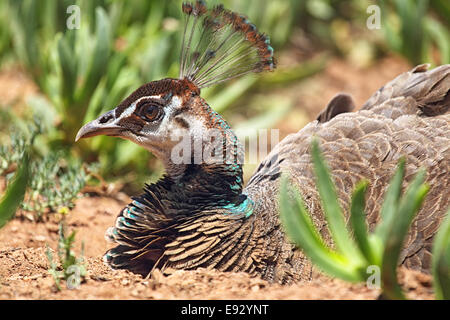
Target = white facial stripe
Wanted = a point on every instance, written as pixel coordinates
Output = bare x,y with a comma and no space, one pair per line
174,104
128,111
147,97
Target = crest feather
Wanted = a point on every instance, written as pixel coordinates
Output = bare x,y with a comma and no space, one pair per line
219,45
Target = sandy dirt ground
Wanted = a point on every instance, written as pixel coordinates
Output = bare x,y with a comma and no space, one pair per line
23,243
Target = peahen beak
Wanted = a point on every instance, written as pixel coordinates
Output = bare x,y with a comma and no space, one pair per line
103,125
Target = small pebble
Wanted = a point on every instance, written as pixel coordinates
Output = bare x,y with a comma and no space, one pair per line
255,288
135,293
40,238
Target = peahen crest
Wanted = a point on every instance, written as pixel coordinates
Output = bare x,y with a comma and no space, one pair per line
219,45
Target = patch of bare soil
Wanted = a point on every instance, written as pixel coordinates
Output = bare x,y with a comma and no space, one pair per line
15,87
24,269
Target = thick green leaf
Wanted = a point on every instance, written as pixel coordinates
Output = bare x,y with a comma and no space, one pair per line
100,55
391,35
15,192
390,203
68,69
411,15
302,231
441,260
358,222
331,208
441,36
396,232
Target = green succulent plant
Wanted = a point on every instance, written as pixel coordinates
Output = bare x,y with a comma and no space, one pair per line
356,249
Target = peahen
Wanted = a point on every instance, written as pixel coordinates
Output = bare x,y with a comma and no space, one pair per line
199,215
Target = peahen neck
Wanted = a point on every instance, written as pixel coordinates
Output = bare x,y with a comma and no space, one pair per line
194,187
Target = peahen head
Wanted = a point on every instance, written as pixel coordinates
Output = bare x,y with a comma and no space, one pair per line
217,45
152,115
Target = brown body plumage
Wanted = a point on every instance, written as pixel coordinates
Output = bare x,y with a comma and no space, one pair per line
401,119
407,117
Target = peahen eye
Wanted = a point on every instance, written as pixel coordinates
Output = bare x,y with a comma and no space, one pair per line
150,112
